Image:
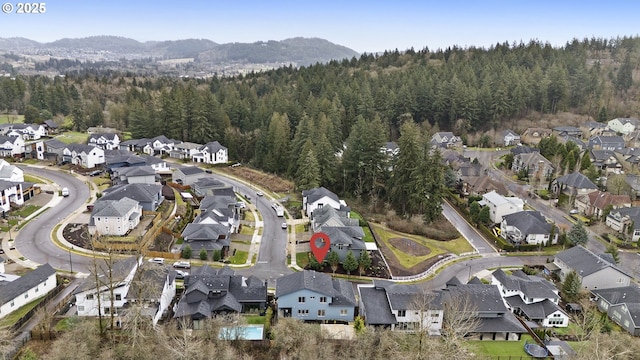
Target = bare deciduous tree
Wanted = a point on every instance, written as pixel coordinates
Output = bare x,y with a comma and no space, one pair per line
460,320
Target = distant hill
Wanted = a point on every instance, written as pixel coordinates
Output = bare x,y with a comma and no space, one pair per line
302,51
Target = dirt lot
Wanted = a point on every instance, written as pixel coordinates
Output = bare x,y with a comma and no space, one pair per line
410,247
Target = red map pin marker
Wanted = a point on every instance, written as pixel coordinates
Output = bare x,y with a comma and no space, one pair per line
320,252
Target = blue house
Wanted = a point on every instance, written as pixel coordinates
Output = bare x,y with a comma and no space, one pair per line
314,296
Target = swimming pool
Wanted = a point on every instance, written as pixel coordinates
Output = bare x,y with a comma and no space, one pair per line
244,332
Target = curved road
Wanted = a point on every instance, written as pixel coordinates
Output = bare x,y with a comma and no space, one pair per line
34,240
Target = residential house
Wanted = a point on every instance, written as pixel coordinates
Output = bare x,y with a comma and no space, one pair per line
208,237
53,150
495,321
318,197
595,203
153,288
10,172
105,141
622,305
523,149
344,239
10,193
623,125
400,307
314,296
159,165
606,143
25,131
83,155
634,183
115,159
210,292
219,209
211,153
532,136
536,165
605,161
528,227
148,195
114,217
391,149
11,146
501,205
574,184
629,158
509,138
563,131
594,128
577,141
205,186
594,271
104,292
446,140
50,127
184,150
626,221
158,145
135,175
531,296
188,175
632,139
100,130
327,216
15,292
483,184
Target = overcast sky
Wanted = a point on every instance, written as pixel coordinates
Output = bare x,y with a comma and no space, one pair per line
369,26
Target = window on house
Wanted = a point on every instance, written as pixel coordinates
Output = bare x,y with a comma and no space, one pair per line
12,304
36,289
402,313
26,296
323,299
321,313
301,299
80,308
107,311
89,297
118,297
340,246
303,312
344,312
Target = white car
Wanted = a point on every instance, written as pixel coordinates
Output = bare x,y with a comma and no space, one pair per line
157,260
260,193
65,192
284,225
181,274
182,264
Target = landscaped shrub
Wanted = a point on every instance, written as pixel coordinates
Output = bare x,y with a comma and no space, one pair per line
217,255
204,255
186,252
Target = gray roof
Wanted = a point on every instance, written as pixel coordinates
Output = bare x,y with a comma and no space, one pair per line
6,170
375,306
190,170
113,208
347,235
523,149
55,144
187,145
233,291
212,147
530,286
315,194
26,282
577,180
510,132
528,222
107,136
405,296
485,298
50,123
11,139
118,157
149,281
535,311
619,295
80,148
326,213
341,291
119,271
623,121
583,261
8,184
217,202
135,171
138,192
566,129
204,232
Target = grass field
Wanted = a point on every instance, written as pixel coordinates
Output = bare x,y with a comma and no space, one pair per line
25,211
302,259
502,349
71,137
457,246
5,119
240,258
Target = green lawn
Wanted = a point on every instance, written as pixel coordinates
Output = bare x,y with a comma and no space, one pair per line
25,210
254,320
240,258
71,137
248,216
246,230
302,259
12,318
300,228
501,348
368,237
457,246
33,179
15,119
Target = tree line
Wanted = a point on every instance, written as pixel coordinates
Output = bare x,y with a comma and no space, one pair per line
288,117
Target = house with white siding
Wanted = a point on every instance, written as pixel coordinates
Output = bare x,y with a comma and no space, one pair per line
594,271
114,217
17,291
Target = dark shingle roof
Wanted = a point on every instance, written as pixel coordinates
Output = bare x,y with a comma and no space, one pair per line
530,286
583,261
528,222
340,290
138,192
119,271
190,170
375,307
315,194
535,311
577,180
11,290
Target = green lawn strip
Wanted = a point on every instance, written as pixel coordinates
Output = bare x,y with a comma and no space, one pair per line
355,215
248,216
456,246
31,161
67,323
368,237
239,258
34,179
501,348
255,320
179,200
73,137
246,230
12,318
25,211
302,259
300,228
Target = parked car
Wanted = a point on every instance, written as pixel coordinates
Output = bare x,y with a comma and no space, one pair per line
95,173
181,274
182,264
284,225
573,211
157,260
260,193
65,192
